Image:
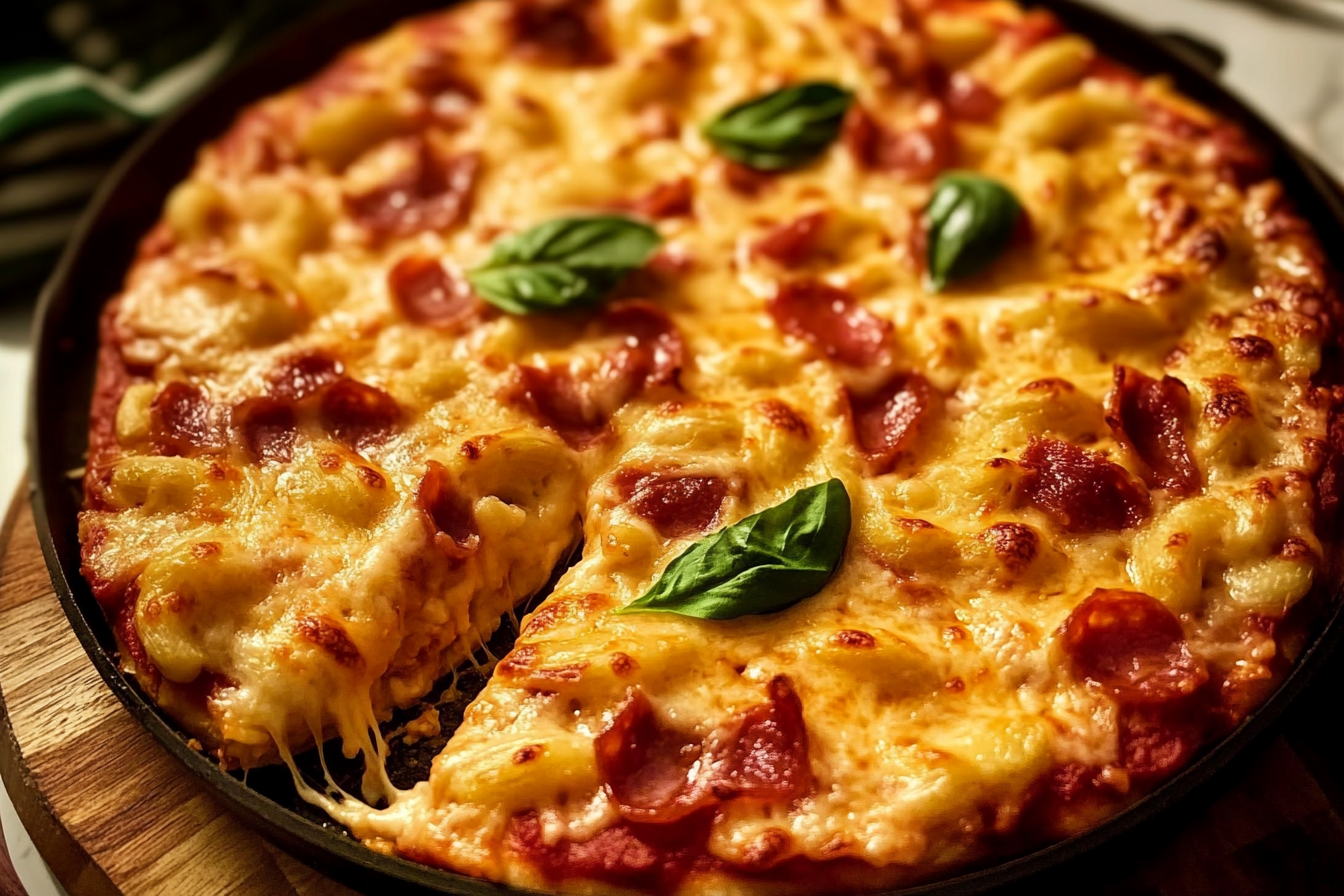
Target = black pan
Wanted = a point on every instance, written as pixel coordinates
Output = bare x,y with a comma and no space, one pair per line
129,203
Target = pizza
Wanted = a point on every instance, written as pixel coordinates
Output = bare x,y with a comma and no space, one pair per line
931,423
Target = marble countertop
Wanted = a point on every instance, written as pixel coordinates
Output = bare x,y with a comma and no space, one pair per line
1292,71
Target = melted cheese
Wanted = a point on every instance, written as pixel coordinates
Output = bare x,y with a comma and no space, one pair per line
1141,253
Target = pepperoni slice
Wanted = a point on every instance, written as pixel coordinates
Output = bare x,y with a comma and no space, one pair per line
1156,741
831,319
557,398
432,194
561,33
794,242
1150,417
427,294
653,353
358,414
449,516
917,153
183,420
657,774
1080,489
887,422
303,375
673,199
449,95
652,858
675,505
967,99
768,757
267,429
651,771
1131,645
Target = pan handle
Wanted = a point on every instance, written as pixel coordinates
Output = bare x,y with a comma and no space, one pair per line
1195,50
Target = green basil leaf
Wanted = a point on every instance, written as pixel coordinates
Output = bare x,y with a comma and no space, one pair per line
970,220
783,129
565,263
761,564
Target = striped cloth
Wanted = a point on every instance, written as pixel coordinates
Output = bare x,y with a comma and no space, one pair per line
78,80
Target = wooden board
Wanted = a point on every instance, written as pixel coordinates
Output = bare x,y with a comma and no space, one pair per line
115,815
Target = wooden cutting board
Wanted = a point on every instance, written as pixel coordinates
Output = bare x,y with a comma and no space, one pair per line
115,815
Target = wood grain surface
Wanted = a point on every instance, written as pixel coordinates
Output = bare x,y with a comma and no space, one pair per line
115,815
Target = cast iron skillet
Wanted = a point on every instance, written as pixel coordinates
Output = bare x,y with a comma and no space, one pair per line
128,204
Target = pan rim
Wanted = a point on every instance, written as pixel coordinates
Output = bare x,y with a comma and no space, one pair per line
314,842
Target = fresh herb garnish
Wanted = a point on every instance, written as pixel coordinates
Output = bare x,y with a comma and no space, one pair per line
783,129
970,220
562,264
761,564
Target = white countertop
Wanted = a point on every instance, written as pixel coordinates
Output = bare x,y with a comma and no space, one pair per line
1293,72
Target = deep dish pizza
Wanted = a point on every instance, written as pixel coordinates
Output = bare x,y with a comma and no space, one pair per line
944,413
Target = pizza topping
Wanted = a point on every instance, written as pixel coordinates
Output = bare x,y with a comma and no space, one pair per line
267,428
184,421
427,294
782,129
764,563
767,758
652,352
676,505
1014,544
650,857
1155,741
1151,417
449,515
432,194
792,243
560,33
830,319
970,221
1131,645
673,199
358,414
970,100
656,774
451,97
1080,489
651,771
304,375
917,153
559,400
564,263
888,421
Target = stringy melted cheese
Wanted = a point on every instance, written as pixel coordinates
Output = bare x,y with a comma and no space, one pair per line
963,701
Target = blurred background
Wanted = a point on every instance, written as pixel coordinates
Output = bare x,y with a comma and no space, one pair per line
81,79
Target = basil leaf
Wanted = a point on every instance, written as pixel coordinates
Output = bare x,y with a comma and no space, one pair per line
761,564
783,129
565,263
970,220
